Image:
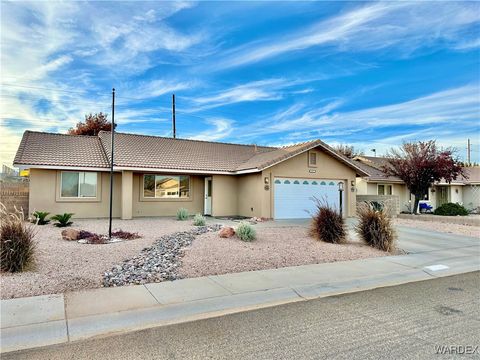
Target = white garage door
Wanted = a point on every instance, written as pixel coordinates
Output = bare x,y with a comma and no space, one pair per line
293,198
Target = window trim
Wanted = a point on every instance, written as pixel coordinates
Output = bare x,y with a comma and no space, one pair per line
60,198
310,164
166,199
384,188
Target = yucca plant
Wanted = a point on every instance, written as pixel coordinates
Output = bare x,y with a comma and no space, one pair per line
62,220
327,223
40,217
17,247
199,220
375,227
246,232
182,214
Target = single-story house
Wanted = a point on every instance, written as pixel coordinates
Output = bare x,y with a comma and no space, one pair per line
378,186
155,176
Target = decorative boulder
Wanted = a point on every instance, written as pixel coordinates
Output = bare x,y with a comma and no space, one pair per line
226,232
70,234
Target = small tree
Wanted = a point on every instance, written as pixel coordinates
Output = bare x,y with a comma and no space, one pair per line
348,150
421,164
93,124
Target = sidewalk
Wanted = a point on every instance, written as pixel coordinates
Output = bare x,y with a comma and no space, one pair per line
53,319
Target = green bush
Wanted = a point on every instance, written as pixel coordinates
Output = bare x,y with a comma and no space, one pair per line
246,232
182,214
451,209
62,220
375,227
40,217
199,220
327,224
16,241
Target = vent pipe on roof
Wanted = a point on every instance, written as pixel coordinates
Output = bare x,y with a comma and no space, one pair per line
173,117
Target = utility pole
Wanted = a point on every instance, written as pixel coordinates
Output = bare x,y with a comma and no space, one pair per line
173,117
468,151
111,166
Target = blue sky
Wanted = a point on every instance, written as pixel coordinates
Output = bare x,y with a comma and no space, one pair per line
367,74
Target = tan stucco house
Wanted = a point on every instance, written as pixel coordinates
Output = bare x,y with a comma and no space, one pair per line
378,186
155,176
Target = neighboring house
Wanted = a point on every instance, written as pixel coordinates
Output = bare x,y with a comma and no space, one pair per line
379,186
155,176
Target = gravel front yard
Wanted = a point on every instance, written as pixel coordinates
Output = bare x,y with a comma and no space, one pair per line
466,230
67,265
275,247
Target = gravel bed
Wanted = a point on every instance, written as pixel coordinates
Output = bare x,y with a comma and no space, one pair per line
275,247
439,226
158,262
62,266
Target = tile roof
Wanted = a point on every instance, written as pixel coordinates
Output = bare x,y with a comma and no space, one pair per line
375,173
39,148
153,152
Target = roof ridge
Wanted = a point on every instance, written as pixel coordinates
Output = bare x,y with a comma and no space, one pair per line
191,140
59,134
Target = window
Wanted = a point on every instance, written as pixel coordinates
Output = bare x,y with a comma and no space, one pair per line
76,184
384,190
312,159
166,186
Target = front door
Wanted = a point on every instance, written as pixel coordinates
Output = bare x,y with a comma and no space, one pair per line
208,196
442,195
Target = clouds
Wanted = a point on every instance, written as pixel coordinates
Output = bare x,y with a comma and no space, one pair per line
409,25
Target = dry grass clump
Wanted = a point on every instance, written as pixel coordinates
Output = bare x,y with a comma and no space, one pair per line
375,226
17,247
328,224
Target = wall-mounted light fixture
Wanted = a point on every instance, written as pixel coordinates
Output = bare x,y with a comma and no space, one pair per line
352,183
266,180
456,191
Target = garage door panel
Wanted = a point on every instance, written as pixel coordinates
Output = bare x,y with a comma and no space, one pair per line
294,198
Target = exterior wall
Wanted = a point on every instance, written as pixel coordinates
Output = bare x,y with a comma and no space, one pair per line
45,190
224,195
456,194
471,196
250,193
369,190
167,207
327,168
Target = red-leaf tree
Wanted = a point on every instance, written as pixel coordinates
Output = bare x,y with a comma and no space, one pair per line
93,124
420,164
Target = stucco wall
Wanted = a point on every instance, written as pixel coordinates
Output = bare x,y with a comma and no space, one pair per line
456,194
224,195
44,190
327,168
250,192
167,207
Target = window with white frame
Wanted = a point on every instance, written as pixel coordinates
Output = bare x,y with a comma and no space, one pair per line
78,184
166,186
384,189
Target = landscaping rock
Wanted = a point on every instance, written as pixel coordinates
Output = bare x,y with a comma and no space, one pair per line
70,234
156,263
226,232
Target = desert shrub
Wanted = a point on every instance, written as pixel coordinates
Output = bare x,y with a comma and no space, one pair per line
125,235
16,241
375,226
451,209
199,220
182,214
90,237
40,217
328,224
245,231
62,220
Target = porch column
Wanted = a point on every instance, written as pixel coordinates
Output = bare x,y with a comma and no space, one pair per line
127,195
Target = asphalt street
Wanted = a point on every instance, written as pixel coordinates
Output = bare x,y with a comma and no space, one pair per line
411,321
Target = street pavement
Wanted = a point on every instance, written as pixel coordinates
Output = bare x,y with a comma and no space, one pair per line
410,321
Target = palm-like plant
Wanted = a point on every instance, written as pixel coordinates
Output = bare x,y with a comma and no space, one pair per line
62,220
40,217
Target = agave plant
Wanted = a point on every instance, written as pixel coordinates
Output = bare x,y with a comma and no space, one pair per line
40,217
62,220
